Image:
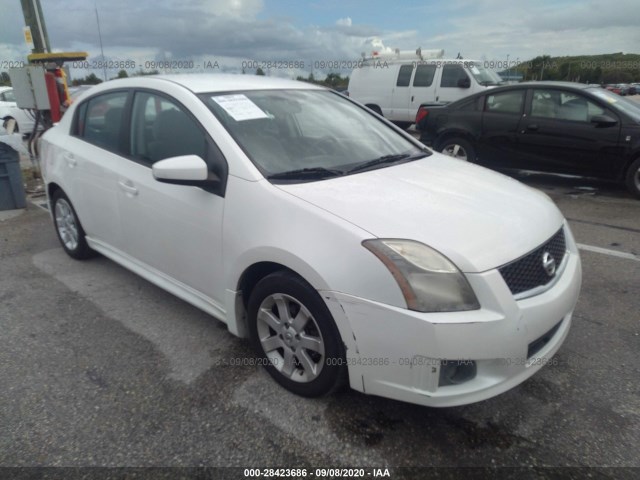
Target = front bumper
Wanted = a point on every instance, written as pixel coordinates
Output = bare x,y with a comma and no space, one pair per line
397,353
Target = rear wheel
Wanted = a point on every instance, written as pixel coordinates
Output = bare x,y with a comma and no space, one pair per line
459,148
68,228
10,125
633,178
376,109
293,331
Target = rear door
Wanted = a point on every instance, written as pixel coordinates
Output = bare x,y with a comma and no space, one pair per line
502,113
92,158
422,87
401,111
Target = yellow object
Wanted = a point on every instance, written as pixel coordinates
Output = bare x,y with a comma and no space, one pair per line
28,37
59,58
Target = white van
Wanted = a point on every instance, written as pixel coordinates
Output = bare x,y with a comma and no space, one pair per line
396,85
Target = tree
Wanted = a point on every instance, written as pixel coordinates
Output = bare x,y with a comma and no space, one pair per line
5,81
259,71
122,74
142,73
90,79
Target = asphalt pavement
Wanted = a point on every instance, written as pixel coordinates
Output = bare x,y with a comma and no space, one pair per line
98,367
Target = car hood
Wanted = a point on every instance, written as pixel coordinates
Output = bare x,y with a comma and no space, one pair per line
478,218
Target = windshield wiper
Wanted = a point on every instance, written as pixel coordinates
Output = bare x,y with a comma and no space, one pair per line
306,173
385,159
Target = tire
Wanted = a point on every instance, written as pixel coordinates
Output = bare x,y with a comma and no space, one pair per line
403,125
375,108
632,179
459,148
5,125
68,228
293,332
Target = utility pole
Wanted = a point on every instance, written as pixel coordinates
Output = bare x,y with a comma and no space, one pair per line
34,20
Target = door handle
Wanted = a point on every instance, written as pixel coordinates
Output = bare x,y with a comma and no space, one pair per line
70,159
412,97
532,127
128,187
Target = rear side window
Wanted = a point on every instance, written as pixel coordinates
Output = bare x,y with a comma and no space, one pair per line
451,74
505,102
8,96
424,75
100,120
404,76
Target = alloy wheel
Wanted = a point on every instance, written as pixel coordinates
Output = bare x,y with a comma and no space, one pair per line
66,224
290,338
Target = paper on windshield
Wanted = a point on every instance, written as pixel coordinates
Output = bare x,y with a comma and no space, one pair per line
239,107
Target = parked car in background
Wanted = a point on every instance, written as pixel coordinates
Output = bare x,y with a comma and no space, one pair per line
624,89
289,212
544,126
75,92
614,88
631,89
396,85
22,120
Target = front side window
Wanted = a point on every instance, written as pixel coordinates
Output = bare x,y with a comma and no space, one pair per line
160,129
308,131
100,120
563,105
451,74
505,102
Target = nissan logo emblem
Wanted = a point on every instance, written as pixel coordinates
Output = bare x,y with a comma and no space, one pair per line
549,264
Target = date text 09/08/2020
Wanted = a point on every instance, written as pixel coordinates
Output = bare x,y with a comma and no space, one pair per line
317,472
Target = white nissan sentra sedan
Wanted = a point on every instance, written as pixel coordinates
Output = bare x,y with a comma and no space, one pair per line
341,246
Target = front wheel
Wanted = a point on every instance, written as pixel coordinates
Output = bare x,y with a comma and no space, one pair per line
459,148
294,332
68,228
633,178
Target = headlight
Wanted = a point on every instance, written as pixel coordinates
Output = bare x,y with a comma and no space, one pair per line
429,281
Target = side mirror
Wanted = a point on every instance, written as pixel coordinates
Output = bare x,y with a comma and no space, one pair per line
183,170
603,120
464,82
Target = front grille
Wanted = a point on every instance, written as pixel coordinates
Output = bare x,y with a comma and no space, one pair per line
528,272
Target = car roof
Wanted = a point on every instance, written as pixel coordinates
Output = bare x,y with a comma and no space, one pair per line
4,89
523,85
574,85
211,82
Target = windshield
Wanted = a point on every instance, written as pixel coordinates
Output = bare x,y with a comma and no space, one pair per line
484,76
308,134
631,108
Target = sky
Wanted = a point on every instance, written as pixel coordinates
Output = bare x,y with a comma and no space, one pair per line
296,37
